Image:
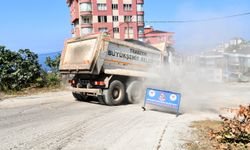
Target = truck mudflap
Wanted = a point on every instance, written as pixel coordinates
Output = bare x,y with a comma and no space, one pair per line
89,92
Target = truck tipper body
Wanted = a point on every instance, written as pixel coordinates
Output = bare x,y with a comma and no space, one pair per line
110,69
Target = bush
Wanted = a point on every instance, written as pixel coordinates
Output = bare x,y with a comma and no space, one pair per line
21,69
53,64
18,69
53,77
235,131
42,80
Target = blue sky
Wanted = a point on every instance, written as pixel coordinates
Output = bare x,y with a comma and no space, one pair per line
42,26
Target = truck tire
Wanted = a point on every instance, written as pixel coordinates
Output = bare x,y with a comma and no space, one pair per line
79,96
101,100
135,92
115,94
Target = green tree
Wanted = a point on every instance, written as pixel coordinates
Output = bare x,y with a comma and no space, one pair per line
18,69
53,64
53,78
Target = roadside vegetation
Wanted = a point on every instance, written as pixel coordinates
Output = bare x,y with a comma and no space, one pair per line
21,71
228,134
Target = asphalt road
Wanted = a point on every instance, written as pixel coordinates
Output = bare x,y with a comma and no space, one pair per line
56,121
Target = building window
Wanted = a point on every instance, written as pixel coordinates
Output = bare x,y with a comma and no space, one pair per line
101,6
129,33
140,18
141,30
86,20
129,30
127,18
103,29
85,7
114,6
102,18
140,7
127,7
115,18
85,31
116,30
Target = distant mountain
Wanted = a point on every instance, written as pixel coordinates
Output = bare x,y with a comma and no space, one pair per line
42,58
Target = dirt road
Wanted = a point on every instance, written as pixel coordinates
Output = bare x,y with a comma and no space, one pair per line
56,121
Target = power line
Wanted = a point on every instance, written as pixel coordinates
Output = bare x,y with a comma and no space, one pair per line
199,20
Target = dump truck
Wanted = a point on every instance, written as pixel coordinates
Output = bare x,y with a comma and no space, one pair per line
109,69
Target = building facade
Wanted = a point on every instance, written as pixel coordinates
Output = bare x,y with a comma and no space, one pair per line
157,38
232,57
122,19
152,36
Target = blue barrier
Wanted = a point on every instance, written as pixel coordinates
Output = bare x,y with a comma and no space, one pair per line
162,98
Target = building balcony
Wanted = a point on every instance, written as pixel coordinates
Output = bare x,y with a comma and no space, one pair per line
74,17
86,25
85,1
141,23
140,12
140,1
86,13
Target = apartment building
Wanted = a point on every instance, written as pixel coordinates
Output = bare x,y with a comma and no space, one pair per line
122,19
232,57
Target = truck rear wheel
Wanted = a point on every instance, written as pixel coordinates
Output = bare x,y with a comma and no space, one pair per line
115,94
135,92
79,96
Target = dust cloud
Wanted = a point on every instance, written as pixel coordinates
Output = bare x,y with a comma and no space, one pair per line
199,92
194,82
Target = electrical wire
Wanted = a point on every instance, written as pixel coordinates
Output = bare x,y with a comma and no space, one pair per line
199,20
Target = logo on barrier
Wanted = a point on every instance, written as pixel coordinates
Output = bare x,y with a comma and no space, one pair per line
162,97
173,97
151,93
